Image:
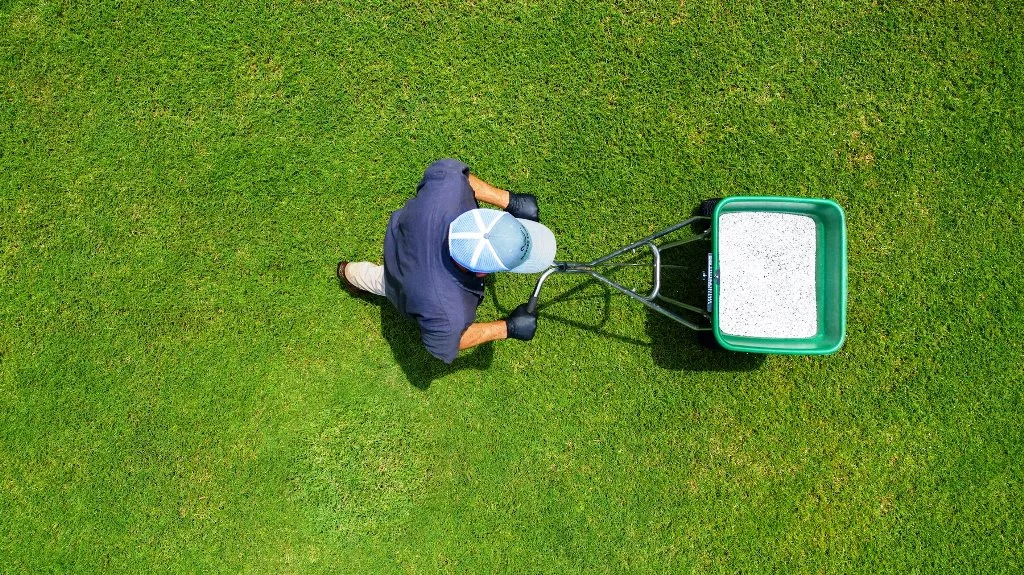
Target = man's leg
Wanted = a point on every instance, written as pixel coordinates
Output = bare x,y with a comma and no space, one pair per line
365,276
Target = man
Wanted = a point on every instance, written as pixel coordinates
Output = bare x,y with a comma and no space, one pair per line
440,245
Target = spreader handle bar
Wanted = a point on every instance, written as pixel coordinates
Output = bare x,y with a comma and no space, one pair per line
588,268
646,240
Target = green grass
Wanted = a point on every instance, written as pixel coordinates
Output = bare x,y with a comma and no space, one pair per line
184,388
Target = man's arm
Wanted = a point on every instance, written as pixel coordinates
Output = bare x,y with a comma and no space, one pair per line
522,206
485,192
520,324
478,333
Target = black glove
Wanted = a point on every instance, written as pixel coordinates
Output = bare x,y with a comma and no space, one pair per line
523,206
521,324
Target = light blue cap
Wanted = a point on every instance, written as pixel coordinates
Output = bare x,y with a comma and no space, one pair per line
488,241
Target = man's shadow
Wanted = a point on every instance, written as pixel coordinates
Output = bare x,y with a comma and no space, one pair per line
673,346
421,368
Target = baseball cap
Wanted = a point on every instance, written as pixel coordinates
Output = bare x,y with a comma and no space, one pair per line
487,241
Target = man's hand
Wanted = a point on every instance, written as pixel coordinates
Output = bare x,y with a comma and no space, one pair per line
523,206
521,324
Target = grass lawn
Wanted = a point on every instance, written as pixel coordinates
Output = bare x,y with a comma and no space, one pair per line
184,388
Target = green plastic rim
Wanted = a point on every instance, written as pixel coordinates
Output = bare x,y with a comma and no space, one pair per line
830,275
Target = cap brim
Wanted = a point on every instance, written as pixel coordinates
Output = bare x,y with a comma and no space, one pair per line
542,249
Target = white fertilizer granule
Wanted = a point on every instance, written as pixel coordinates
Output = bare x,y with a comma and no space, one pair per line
766,275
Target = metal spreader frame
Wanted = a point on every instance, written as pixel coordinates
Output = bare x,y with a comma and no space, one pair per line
654,299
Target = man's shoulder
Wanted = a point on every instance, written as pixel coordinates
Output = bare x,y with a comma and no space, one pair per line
445,167
445,181
443,310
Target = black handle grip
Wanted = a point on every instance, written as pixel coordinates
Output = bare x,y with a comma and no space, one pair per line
531,306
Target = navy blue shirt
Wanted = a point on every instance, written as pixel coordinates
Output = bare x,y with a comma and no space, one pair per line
420,277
